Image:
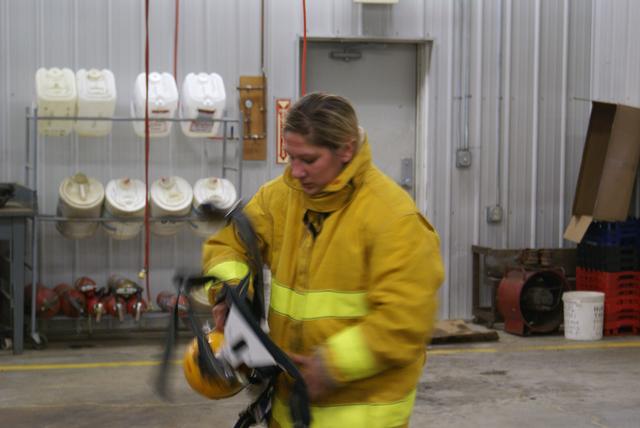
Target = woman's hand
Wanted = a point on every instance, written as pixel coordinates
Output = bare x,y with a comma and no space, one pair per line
315,375
219,313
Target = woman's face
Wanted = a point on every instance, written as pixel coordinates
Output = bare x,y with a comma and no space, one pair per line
314,166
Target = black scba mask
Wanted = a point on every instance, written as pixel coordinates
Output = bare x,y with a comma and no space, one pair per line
247,356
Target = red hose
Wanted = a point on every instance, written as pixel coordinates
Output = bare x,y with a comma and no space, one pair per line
303,72
175,42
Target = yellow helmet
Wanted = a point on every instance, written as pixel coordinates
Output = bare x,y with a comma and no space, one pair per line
209,385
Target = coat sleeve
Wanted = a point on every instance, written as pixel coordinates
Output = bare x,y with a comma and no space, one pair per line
405,272
223,254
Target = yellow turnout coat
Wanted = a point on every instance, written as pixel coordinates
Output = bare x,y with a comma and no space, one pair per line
355,274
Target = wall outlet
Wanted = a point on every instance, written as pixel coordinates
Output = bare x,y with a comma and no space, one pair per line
494,214
463,158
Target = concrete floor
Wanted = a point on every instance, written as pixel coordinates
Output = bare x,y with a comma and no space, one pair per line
543,381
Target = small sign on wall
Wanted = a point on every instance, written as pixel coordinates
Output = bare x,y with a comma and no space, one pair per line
282,107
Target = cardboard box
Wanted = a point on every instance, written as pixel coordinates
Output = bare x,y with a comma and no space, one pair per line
608,168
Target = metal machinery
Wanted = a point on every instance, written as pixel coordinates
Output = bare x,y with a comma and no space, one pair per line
491,264
531,301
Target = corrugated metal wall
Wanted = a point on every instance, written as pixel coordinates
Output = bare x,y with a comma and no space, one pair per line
510,80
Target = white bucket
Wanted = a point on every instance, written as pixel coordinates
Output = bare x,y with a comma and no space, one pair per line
583,315
96,98
202,97
163,102
79,196
124,197
57,96
170,197
218,191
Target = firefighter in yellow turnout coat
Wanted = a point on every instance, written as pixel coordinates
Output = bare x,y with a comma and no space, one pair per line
355,272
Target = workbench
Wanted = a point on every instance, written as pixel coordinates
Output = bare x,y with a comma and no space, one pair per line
15,216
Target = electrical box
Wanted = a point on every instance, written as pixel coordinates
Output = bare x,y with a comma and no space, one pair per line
494,214
463,158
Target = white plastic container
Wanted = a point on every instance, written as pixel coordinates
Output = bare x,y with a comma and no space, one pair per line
79,196
170,197
124,197
221,193
163,102
96,98
57,96
583,315
202,97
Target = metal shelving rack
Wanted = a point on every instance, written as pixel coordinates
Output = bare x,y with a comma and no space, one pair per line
31,178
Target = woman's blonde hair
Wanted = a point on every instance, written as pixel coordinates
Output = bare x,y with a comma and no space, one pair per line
324,120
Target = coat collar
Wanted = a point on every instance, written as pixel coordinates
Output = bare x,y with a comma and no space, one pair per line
339,192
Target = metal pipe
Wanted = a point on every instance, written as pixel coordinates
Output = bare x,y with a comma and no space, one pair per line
240,150
467,74
448,182
459,6
224,149
27,164
535,124
55,217
506,120
110,137
563,120
34,235
4,11
262,37
478,124
128,119
498,107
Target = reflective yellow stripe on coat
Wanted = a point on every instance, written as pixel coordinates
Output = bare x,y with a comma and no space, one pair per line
348,347
225,271
311,305
366,415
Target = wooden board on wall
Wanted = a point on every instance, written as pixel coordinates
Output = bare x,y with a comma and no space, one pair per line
252,95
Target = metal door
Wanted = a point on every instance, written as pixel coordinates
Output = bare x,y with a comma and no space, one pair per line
380,80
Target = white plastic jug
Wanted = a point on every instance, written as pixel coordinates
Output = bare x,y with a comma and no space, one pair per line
79,196
202,97
57,96
221,193
170,197
124,197
96,98
163,102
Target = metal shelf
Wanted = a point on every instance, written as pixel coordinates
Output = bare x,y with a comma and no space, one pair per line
31,176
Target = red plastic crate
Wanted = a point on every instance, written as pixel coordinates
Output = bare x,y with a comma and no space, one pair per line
622,303
610,283
622,326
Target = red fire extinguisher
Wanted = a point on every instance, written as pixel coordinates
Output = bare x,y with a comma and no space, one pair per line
47,301
114,306
95,307
168,300
136,305
122,286
72,301
86,285
163,299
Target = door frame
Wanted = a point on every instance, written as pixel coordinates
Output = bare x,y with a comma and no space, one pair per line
423,186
